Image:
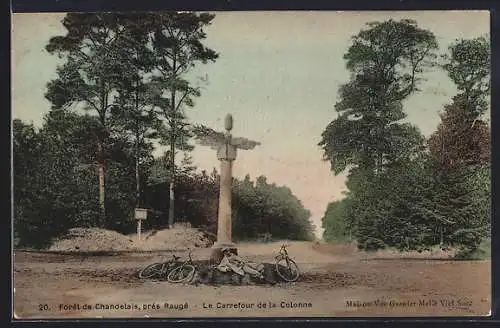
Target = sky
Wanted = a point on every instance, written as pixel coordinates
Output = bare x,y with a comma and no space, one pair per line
278,75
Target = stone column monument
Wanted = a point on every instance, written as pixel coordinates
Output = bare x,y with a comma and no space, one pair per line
226,147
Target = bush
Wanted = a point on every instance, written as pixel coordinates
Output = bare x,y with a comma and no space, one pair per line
483,252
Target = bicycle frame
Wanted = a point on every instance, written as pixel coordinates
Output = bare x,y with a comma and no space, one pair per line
283,253
186,263
161,267
172,260
169,262
189,260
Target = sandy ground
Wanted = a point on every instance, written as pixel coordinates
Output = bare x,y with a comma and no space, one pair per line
336,281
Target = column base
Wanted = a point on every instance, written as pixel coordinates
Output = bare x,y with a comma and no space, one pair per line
218,244
217,256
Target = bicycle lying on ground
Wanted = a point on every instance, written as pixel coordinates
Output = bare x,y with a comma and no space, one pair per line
158,270
184,272
285,266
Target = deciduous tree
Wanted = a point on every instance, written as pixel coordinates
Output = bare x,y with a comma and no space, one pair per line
386,62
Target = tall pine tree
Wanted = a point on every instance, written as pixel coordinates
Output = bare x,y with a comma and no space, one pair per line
177,45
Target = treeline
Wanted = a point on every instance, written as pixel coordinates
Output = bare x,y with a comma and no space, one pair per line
261,211
267,211
54,191
404,190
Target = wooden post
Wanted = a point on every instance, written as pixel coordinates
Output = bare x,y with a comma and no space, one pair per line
139,229
140,214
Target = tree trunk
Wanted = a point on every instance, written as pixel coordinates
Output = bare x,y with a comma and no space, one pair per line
102,173
102,219
173,138
137,147
171,209
137,178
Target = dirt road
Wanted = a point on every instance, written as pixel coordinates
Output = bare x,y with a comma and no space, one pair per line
336,281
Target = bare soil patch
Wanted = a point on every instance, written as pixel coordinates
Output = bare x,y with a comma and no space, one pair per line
95,240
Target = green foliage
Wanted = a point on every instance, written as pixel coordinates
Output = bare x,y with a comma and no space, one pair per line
398,215
53,194
177,48
468,65
385,61
483,252
401,194
58,189
196,201
415,205
386,177
463,197
134,115
130,74
55,189
92,65
121,199
89,75
460,140
130,70
460,151
159,170
336,223
262,209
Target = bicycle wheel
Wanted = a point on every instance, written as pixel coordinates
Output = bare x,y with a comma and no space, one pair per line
183,273
151,271
287,269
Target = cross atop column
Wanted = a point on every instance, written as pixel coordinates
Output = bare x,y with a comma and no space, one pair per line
226,147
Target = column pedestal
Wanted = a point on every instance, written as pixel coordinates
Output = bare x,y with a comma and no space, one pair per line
216,255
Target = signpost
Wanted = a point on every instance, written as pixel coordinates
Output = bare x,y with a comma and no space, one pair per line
226,147
140,215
